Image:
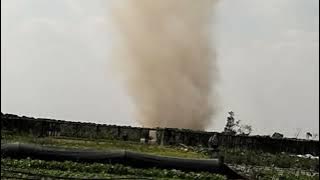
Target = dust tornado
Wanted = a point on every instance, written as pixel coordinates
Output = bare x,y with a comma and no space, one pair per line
166,54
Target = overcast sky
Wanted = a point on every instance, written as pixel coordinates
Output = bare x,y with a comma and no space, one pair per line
55,63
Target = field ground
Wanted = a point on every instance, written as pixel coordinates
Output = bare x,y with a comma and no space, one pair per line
257,165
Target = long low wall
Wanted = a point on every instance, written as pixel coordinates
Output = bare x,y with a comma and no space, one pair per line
40,127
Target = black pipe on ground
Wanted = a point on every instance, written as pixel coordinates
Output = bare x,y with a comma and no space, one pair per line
134,159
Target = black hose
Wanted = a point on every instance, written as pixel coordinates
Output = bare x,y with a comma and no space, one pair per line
134,159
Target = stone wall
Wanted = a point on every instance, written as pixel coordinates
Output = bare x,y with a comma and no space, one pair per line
39,127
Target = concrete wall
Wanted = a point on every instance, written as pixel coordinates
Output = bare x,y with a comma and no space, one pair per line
49,127
263,143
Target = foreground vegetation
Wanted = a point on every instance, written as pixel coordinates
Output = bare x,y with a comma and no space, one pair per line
273,164
265,172
95,170
258,158
28,168
232,156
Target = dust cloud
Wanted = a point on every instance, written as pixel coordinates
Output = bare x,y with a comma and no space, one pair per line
166,55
